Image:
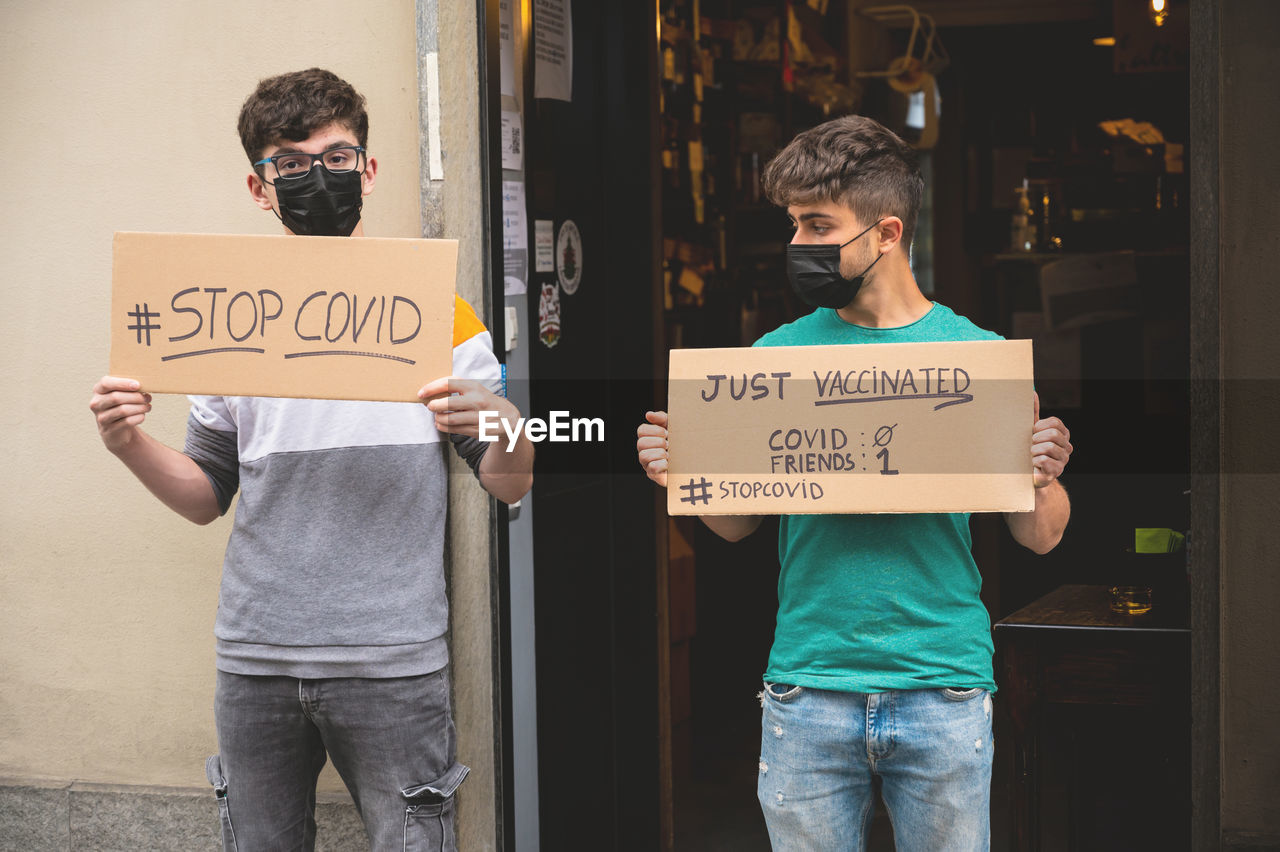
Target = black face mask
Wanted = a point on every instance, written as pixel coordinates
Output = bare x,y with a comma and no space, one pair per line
814,271
321,204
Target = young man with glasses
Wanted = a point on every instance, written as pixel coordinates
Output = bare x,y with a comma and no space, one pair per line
332,611
881,658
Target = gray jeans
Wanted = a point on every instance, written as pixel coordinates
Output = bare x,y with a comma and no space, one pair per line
391,739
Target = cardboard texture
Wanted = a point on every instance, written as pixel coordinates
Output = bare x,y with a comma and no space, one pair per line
914,427
321,317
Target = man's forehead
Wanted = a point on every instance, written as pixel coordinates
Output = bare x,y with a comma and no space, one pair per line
329,136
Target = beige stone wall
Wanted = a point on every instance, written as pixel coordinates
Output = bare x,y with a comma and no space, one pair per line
106,599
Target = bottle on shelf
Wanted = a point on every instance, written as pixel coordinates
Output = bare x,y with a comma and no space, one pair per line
1021,227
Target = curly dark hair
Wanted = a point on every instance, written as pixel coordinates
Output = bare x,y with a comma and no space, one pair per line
293,106
852,160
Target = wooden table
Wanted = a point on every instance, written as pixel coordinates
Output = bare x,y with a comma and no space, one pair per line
1070,648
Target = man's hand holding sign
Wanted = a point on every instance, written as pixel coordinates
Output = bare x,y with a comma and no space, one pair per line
1040,529
1050,449
778,431
458,405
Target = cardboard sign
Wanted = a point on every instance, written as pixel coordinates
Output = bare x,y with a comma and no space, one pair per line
914,427
321,317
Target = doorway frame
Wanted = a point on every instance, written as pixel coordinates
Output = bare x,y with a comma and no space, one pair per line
1206,430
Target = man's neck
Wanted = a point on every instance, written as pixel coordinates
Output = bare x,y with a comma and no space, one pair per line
889,300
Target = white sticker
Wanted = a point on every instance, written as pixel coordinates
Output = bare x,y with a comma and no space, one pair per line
549,315
544,245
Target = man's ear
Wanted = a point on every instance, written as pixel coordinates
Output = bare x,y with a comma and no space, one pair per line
369,176
888,233
258,190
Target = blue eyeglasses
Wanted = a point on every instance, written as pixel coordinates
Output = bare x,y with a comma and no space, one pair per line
297,164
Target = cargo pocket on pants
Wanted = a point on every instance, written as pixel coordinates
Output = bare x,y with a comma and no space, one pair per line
213,771
428,815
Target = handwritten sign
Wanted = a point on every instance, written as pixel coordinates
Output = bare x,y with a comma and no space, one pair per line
916,427
321,317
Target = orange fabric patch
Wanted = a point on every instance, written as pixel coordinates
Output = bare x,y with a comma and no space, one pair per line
466,324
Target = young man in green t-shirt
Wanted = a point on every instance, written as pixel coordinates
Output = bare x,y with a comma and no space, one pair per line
881,660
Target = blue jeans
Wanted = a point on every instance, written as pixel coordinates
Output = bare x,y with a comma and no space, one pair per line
931,749
391,739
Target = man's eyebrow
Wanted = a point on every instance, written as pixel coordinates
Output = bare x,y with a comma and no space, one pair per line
809,217
290,149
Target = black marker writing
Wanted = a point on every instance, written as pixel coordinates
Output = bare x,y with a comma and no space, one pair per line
320,316
342,314
258,306
139,315
877,385
703,494
735,490
952,399
252,349
756,383
350,352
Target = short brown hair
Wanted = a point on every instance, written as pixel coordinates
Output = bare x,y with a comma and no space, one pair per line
293,106
854,161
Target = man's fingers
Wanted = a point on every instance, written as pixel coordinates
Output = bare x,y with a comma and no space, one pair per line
111,416
1050,468
436,387
1051,449
651,446
1041,442
648,457
108,384
457,402
1044,428
114,406
459,419
1035,416
448,385
113,399
132,420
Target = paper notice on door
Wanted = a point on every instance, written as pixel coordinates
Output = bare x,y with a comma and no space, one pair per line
553,50
506,48
515,239
512,140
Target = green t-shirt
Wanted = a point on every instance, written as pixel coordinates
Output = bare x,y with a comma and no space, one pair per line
868,603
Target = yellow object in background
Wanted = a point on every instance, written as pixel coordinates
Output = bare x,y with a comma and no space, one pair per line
1157,540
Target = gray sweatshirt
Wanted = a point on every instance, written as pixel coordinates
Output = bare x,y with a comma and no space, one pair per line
334,567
